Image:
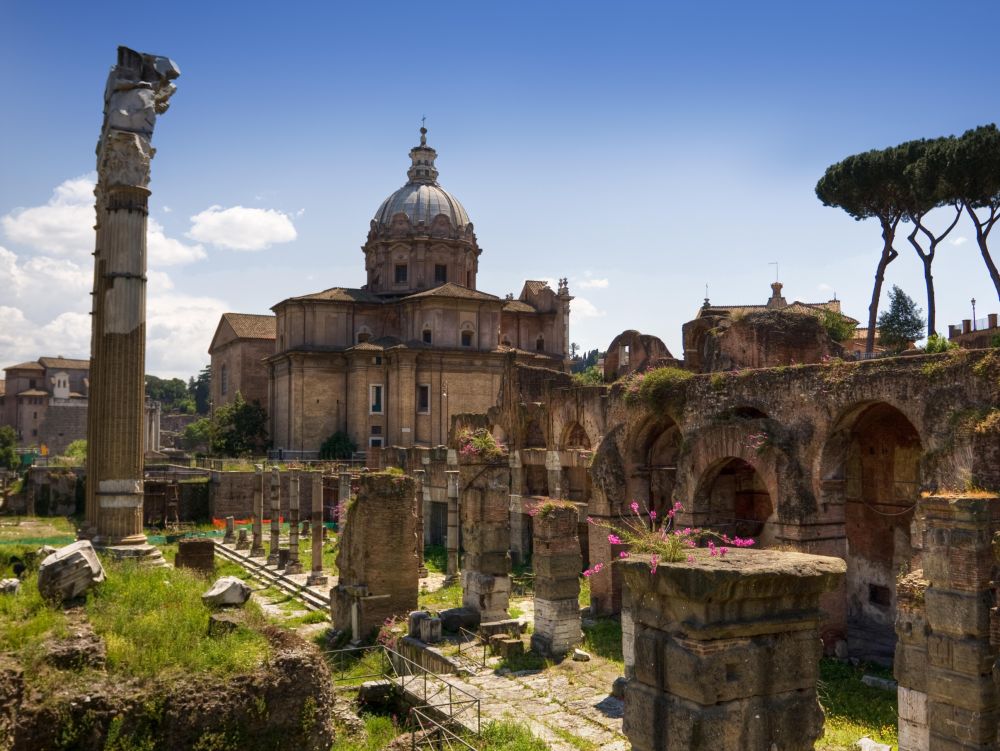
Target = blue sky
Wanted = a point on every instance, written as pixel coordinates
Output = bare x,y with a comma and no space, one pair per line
640,149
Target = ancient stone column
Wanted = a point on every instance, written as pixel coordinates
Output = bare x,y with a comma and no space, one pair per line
230,536
520,523
294,566
377,559
451,541
316,575
554,470
486,536
418,478
272,553
557,563
138,89
343,498
946,659
257,545
727,651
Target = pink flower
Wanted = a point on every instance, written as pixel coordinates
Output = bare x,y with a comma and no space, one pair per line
678,506
690,559
691,543
623,554
614,539
598,567
654,561
635,507
671,513
723,551
591,520
588,572
652,514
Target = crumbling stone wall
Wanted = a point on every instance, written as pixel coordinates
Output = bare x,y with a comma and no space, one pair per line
377,560
485,522
947,625
726,653
557,563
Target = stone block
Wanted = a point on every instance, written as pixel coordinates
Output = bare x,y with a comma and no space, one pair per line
227,591
557,610
455,618
913,736
511,648
557,589
968,656
507,627
69,572
958,613
486,538
196,553
950,724
220,624
493,564
974,693
413,622
242,540
558,567
10,586
430,630
912,705
910,666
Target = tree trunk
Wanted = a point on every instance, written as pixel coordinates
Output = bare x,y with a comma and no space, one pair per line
888,256
982,235
929,284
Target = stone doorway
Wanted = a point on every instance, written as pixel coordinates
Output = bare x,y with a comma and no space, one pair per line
733,500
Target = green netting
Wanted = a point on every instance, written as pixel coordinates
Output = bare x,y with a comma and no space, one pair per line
39,541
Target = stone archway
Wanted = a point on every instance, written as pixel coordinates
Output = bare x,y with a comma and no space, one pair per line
870,483
652,464
732,498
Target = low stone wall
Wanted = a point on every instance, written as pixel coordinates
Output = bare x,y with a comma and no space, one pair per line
726,651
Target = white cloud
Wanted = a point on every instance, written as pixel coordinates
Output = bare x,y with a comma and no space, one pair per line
958,240
581,307
167,209
64,226
241,228
166,251
179,329
594,283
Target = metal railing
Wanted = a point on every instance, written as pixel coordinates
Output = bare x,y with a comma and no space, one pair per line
437,696
429,733
470,643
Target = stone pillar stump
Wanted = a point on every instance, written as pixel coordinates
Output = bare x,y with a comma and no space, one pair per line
557,562
486,536
727,651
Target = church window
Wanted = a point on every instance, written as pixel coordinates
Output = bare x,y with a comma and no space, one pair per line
466,338
401,271
31,383
424,398
224,380
428,336
540,344
375,391
440,273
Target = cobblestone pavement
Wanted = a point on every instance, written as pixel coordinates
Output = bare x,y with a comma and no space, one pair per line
568,705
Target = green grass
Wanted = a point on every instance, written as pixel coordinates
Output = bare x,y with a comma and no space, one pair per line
441,599
507,735
380,730
36,531
26,620
584,592
436,558
153,622
581,744
525,661
853,709
603,638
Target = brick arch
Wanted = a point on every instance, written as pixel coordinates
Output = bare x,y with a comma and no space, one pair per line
868,482
651,453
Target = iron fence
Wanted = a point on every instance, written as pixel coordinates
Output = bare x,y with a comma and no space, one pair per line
468,645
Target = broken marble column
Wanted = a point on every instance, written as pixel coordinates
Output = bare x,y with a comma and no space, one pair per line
293,566
242,540
275,546
316,575
557,563
946,658
486,536
343,498
727,651
257,544
138,89
419,477
230,536
377,558
451,540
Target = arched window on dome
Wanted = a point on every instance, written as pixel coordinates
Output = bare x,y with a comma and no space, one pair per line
364,335
540,344
428,335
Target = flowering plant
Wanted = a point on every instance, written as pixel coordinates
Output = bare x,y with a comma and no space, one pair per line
478,443
644,532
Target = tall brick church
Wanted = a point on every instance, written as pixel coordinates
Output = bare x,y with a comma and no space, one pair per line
391,362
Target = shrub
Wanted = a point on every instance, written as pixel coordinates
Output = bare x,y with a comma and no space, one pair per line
479,443
658,388
77,451
937,343
838,326
338,446
592,376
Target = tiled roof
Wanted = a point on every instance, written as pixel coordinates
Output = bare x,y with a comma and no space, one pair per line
534,286
451,289
252,325
33,392
26,366
342,294
517,306
64,362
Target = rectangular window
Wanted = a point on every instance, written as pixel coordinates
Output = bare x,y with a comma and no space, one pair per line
401,270
375,442
376,398
423,399
466,338
440,273
376,430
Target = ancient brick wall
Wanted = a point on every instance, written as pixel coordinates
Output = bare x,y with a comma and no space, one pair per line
65,421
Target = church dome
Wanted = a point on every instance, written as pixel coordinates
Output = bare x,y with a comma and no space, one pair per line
422,199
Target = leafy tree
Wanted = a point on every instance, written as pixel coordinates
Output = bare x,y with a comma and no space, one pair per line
592,376
8,447
871,185
928,190
902,323
973,176
573,349
200,389
839,327
338,446
937,344
198,435
77,450
171,393
239,428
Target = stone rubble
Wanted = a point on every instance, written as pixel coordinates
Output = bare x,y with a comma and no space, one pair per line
227,591
70,572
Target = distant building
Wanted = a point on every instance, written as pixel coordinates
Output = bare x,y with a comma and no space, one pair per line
978,334
45,401
241,343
